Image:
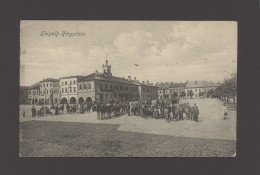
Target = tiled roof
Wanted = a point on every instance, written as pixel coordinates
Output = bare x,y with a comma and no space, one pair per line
179,85
102,77
195,84
192,84
210,84
163,85
74,76
49,79
35,86
142,84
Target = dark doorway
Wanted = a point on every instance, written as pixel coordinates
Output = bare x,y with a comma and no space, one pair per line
64,100
81,100
73,100
89,100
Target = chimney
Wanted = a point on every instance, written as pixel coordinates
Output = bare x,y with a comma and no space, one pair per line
129,78
195,82
143,81
135,78
96,72
147,82
138,81
161,83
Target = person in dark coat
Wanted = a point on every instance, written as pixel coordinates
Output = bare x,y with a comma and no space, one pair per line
108,109
33,111
168,110
98,111
62,108
191,113
102,111
196,113
181,112
188,109
177,112
128,109
68,108
56,110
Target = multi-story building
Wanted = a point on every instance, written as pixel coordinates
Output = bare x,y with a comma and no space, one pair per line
179,89
209,86
164,90
33,93
69,88
46,90
104,87
146,91
199,88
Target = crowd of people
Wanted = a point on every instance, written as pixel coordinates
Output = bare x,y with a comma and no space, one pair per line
168,111
61,109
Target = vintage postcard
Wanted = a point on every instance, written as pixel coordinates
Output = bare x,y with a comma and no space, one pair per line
128,88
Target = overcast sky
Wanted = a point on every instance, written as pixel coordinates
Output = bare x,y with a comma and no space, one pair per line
164,50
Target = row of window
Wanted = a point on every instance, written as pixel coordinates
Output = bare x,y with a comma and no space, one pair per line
180,90
176,90
84,86
110,96
45,84
66,90
120,88
148,89
68,82
45,92
205,89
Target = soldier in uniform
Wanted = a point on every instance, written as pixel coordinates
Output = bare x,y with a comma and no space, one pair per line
103,110
128,109
188,111
68,108
195,112
33,111
108,109
177,112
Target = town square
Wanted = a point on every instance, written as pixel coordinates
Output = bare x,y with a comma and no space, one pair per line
136,93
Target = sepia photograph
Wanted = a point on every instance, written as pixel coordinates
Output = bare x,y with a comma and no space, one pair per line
128,88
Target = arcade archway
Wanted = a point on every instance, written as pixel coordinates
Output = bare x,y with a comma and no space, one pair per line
64,100
73,100
81,100
88,100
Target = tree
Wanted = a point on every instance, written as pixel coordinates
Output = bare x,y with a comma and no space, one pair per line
228,88
190,93
211,93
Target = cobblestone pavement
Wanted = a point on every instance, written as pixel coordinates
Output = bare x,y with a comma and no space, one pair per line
71,139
